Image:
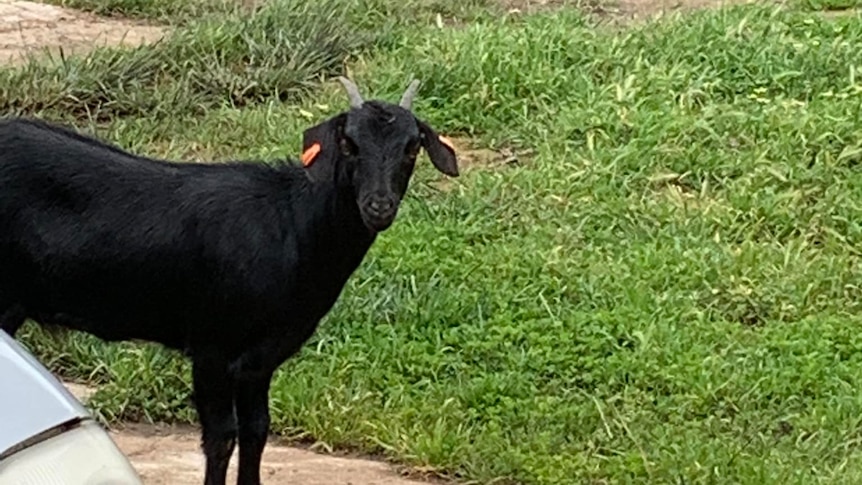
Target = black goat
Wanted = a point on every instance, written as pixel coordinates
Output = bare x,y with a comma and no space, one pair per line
233,264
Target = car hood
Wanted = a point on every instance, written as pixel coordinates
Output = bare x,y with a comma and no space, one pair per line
33,400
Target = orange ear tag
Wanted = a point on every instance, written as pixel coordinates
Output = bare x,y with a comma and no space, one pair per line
310,154
446,142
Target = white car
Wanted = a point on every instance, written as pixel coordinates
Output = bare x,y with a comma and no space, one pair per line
47,437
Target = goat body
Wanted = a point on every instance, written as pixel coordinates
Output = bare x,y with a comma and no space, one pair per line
233,264
188,255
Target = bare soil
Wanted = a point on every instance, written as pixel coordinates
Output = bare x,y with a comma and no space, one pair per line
642,9
171,455
619,10
30,28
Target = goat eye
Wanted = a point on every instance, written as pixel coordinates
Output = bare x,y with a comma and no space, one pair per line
347,147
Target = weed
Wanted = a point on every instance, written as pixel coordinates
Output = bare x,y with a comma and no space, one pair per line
234,60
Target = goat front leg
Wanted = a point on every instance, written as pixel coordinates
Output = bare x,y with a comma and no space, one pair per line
214,387
252,411
11,319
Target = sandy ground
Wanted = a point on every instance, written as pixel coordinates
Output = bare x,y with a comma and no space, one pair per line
32,28
621,11
168,455
164,456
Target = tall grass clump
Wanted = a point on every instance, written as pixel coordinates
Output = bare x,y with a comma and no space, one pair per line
243,58
374,14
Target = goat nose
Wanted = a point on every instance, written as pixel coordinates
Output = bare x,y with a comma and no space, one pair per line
380,205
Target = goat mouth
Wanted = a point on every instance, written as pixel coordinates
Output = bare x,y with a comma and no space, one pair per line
377,223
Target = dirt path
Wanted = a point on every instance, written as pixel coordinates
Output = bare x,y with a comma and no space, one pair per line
169,455
32,28
621,11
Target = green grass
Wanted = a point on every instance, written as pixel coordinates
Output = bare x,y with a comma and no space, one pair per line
667,291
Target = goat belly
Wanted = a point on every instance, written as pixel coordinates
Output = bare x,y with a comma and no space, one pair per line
96,289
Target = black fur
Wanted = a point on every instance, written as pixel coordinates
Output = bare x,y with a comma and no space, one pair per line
233,264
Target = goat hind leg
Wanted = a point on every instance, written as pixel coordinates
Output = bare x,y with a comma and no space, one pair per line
213,395
252,411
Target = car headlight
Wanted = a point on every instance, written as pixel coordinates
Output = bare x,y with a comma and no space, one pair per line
83,455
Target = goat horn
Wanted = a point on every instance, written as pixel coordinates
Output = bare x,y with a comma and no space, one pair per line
352,92
409,94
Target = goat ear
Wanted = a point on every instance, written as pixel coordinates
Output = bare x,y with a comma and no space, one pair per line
320,147
440,150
